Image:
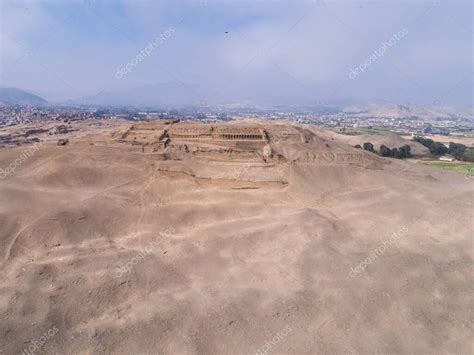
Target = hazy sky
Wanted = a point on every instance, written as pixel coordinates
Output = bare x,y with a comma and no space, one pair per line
275,51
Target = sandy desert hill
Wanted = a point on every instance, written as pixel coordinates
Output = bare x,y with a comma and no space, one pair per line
182,238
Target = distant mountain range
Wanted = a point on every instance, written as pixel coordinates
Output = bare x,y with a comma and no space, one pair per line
166,94
178,94
175,94
390,110
14,96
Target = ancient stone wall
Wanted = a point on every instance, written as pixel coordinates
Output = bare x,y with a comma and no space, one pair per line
218,133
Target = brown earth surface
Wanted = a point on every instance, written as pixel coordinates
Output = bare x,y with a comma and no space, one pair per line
202,247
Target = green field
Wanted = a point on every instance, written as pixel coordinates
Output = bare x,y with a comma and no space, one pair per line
463,168
361,131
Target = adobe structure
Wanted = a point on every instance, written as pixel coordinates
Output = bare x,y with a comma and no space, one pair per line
251,142
173,136
216,133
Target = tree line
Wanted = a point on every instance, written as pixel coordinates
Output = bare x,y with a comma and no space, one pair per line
457,150
384,151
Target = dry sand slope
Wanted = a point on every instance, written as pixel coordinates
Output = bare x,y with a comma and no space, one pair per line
115,251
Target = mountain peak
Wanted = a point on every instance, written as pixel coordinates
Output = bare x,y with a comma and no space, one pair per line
10,96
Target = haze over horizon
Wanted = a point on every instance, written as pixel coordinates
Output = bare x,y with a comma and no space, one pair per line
262,52
236,177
